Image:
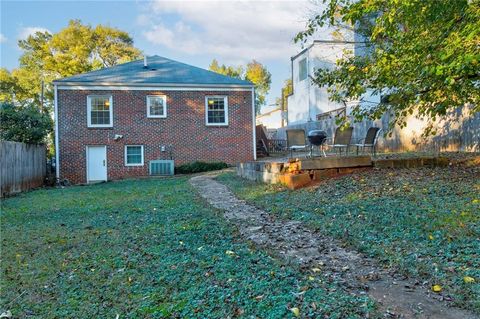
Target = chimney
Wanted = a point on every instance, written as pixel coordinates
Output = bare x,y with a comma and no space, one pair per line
145,64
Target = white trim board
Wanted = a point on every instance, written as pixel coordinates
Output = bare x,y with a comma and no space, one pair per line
89,111
148,88
164,98
57,143
254,126
86,162
143,155
225,109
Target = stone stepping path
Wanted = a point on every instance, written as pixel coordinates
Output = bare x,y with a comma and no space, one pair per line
295,243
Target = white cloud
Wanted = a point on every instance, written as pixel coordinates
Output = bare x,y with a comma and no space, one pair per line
27,31
232,31
3,38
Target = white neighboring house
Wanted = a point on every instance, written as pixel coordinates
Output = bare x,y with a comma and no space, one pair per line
309,107
271,118
308,100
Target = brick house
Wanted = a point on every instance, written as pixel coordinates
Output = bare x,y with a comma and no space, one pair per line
115,122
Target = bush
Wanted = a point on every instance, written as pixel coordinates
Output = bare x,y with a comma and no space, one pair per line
26,124
197,167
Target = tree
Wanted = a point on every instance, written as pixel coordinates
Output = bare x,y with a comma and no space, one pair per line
235,72
254,72
423,56
259,75
287,90
78,48
25,124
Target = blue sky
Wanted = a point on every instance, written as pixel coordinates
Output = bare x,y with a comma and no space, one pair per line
194,32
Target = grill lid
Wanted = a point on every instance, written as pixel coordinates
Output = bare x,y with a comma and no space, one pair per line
317,137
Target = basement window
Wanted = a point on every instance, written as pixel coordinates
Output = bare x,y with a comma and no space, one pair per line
133,155
216,110
157,106
99,111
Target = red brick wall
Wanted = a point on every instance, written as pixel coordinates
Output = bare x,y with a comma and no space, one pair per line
184,128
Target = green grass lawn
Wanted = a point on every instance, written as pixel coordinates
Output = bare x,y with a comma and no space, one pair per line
423,222
146,249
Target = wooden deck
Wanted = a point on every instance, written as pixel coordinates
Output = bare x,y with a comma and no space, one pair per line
301,171
295,173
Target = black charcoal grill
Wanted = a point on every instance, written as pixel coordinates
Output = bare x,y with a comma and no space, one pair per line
317,138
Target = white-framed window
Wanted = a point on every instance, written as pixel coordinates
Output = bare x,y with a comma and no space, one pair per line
157,106
133,155
302,69
216,110
99,111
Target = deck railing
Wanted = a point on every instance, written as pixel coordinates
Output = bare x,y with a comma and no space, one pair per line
276,145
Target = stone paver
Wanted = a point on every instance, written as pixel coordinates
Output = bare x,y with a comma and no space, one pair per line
295,243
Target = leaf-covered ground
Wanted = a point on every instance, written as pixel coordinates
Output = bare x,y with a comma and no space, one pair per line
424,223
146,249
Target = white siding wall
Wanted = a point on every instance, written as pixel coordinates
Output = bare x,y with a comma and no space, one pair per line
308,99
273,120
298,101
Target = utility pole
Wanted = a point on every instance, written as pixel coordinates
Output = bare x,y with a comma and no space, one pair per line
41,98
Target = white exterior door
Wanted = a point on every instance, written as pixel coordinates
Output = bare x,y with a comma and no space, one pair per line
96,163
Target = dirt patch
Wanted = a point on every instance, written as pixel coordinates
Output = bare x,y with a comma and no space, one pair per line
312,251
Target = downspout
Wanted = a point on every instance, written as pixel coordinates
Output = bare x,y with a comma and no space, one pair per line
293,86
254,125
57,150
308,83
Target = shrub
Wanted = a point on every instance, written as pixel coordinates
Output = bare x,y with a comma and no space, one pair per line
197,167
25,124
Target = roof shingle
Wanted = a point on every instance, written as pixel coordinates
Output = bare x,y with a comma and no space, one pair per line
160,70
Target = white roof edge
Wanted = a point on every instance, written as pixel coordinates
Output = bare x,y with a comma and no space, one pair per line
180,85
322,42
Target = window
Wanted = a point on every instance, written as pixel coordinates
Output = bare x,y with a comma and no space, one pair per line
133,155
156,106
99,111
216,110
302,69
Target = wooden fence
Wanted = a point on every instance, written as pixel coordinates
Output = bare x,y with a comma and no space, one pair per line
460,131
22,166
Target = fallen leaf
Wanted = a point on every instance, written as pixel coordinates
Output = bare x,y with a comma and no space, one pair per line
436,288
316,269
468,279
229,252
295,311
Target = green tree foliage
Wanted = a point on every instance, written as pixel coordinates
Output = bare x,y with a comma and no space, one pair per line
78,48
254,72
259,75
25,124
287,90
235,72
423,55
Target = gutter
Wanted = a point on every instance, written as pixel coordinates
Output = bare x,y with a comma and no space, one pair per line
130,84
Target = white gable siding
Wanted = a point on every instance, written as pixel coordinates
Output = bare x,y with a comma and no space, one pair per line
308,99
